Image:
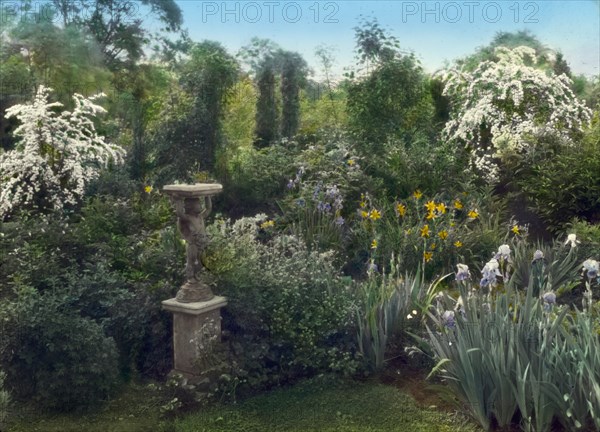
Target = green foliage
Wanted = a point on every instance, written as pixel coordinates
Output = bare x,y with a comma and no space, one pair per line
508,354
116,25
575,193
266,106
293,76
289,312
5,400
253,175
387,300
392,100
51,353
185,137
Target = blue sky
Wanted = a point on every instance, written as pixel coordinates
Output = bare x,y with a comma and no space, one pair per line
436,31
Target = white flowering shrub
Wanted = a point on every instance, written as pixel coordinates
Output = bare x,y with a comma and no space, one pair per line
57,154
501,106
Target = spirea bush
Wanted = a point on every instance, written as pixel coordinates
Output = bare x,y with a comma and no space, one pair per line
56,155
501,106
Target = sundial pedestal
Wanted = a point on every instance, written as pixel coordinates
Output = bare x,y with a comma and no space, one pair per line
195,308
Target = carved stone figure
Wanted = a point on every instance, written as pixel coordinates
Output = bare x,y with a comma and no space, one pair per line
193,204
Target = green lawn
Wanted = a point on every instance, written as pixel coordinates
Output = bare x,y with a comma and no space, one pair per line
314,405
319,406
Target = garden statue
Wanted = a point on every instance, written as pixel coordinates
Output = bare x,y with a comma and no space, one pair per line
192,204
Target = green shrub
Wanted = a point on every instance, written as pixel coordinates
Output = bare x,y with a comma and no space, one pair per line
255,178
4,400
289,313
564,183
53,355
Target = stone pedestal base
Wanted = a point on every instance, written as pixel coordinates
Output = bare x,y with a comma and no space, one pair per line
188,319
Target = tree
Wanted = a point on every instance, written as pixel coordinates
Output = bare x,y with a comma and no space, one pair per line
117,25
186,139
266,104
388,97
502,107
57,154
293,76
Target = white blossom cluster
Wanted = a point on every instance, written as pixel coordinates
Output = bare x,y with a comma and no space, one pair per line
501,106
57,153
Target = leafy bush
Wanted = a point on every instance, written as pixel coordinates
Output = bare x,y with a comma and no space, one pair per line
557,199
253,175
290,313
51,353
4,400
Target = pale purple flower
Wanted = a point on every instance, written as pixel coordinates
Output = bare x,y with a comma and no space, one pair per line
591,267
538,255
448,319
462,272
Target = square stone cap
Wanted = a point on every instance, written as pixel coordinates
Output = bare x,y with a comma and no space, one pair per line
197,308
193,190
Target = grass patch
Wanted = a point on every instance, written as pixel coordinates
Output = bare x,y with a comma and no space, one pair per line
137,409
323,405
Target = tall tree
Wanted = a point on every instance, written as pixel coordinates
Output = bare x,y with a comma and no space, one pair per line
186,141
293,75
117,25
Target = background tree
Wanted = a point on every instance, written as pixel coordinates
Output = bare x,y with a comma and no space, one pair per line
186,139
388,97
293,76
118,26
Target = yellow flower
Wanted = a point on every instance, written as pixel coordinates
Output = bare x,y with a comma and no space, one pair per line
441,208
473,214
364,214
148,189
375,214
458,205
430,215
452,224
363,204
515,230
443,234
425,231
427,256
458,243
418,194
400,209
430,206
374,244
351,162
267,224
433,246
